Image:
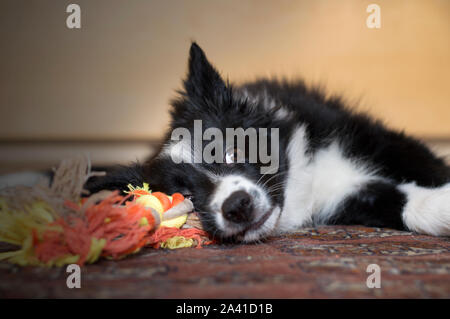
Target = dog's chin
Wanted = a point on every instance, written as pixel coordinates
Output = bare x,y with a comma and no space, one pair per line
256,231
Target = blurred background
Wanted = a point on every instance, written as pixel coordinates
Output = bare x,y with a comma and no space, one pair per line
104,88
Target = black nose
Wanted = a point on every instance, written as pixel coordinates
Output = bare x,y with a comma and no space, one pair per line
238,207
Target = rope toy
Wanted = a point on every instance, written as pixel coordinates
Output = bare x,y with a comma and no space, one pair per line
53,226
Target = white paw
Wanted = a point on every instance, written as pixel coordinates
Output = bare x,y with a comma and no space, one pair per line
427,210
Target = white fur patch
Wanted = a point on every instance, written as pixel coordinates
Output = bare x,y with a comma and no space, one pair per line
283,113
263,98
267,101
316,186
427,210
334,177
265,229
182,152
297,210
230,184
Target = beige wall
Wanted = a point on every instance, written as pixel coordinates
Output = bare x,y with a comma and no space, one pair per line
113,78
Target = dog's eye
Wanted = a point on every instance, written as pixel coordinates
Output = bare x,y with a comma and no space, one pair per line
232,155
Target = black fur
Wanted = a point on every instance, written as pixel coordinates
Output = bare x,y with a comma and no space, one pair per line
376,205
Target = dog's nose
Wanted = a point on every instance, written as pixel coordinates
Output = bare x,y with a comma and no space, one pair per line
238,207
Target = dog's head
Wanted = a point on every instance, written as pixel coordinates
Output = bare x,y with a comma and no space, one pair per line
235,189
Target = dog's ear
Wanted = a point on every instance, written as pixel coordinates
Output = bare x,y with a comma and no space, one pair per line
203,81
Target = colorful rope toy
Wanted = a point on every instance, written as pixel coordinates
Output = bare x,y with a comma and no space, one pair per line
105,224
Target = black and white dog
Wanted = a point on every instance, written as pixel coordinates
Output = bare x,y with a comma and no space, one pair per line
336,166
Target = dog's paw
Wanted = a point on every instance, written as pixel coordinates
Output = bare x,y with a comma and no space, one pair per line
427,210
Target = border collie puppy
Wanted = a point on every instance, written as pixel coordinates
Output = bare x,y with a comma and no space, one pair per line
335,166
